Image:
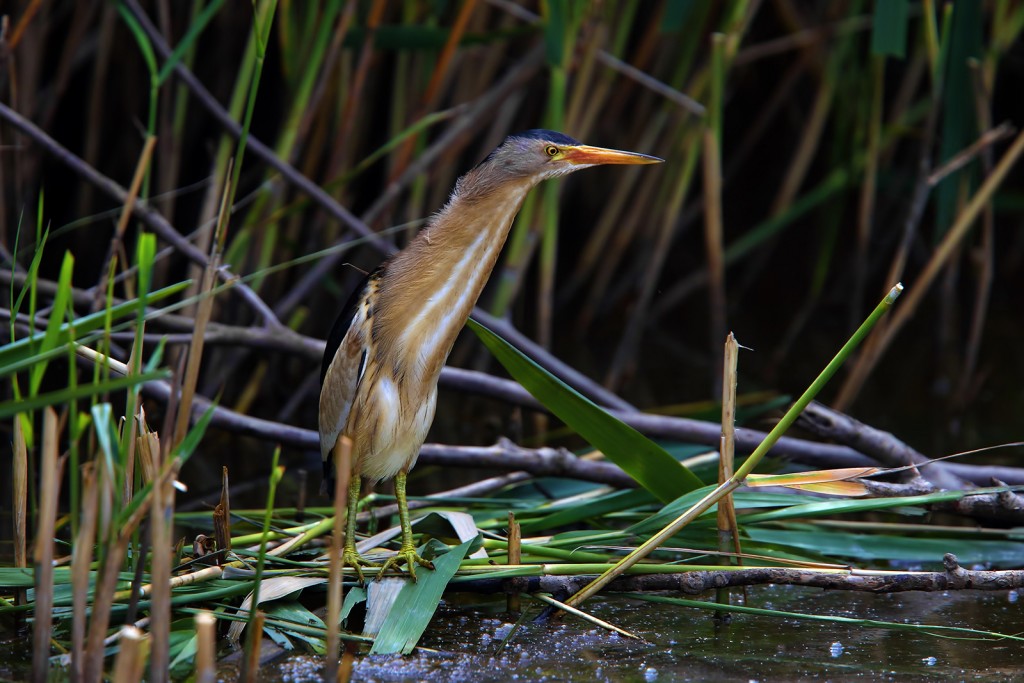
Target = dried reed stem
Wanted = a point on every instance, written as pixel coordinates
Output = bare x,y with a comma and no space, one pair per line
343,457
727,532
206,647
19,483
161,527
131,656
252,653
42,555
222,519
81,559
515,556
105,592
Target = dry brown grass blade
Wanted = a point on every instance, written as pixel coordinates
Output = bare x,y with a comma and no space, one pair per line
19,29
117,240
575,611
204,310
147,450
222,519
884,333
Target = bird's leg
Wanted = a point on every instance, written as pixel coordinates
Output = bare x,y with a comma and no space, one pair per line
350,555
408,552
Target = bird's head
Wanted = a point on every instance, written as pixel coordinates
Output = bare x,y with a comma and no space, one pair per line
539,154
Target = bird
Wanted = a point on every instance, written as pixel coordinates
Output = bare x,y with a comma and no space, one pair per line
385,351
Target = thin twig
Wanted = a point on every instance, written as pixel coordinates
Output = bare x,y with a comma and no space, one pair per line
141,210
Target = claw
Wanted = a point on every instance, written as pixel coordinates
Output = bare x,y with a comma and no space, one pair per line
353,559
410,557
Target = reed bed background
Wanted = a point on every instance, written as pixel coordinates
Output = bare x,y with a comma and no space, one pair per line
189,191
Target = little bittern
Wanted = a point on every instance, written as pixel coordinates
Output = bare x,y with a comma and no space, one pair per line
385,352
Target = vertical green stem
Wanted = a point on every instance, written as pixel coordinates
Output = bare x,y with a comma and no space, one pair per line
276,473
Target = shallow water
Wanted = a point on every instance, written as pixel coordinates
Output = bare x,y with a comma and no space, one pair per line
689,645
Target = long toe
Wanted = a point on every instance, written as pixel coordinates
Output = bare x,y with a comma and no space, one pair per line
408,557
356,561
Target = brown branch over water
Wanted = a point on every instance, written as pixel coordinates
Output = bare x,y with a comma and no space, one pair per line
954,577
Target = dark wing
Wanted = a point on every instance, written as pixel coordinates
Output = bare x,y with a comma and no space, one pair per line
343,364
341,326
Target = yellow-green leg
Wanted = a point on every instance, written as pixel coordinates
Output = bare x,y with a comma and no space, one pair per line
351,557
408,553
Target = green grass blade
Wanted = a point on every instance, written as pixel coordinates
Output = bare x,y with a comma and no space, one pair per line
24,348
867,547
647,462
11,408
53,326
191,441
889,28
194,30
415,605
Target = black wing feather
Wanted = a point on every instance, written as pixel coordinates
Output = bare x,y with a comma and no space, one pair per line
341,325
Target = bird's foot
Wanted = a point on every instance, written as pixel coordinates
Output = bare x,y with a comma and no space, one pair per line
410,557
353,559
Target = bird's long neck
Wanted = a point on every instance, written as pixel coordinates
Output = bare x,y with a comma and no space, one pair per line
429,288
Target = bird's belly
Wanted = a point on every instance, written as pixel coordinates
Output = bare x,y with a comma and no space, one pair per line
390,442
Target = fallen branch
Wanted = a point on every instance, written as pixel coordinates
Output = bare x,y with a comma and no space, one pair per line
954,577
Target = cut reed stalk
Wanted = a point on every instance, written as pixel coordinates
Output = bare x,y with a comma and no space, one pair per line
161,554
728,534
206,647
752,461
222,519
515,556
254,639
131,656
105,592
42,556
19,494
343,458
81,561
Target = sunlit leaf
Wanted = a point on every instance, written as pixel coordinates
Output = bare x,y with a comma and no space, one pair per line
641,458
416,603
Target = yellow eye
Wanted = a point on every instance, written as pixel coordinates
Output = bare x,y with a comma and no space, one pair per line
551,150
